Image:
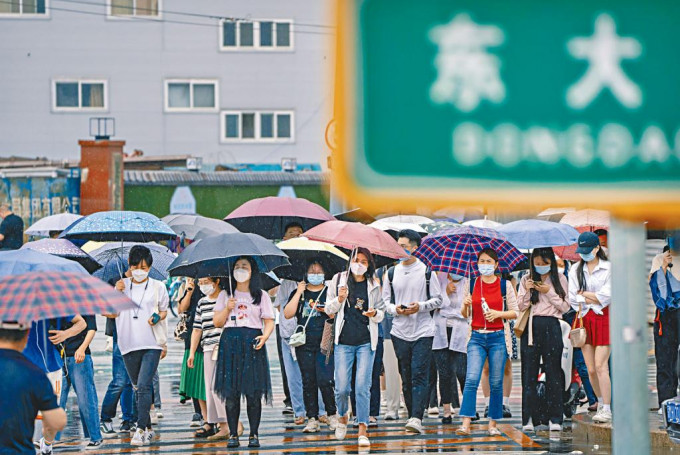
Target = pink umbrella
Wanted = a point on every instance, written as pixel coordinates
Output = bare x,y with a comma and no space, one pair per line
588,220
352,235
269,216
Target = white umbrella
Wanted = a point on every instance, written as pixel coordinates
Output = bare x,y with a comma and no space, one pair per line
411,219
485,223
58,222
386,225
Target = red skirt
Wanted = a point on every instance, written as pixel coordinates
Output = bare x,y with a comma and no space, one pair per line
597,328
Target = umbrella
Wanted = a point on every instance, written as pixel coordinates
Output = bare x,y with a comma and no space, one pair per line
121,226
58,222
484,224
410,219
269,281
587,220
355,215
394,227
554,214
64,249
215,256
352,235
57,294
15,262
114,257
269,216
301,249
437,226
455,250
191,225
458,214
527,234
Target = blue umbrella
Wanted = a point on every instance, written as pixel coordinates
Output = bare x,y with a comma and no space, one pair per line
527,234
64,249
118,226
16,262
114,258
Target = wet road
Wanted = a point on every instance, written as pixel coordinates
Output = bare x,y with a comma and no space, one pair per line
278,434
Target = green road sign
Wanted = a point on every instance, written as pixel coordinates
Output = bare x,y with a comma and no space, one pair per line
497,102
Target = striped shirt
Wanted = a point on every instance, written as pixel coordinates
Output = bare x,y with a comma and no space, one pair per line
205,312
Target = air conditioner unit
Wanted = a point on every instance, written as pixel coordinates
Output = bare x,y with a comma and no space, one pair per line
194,163
288,164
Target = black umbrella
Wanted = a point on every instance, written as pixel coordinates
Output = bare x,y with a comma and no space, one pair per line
301,250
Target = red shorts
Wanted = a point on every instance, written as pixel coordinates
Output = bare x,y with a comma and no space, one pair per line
597,328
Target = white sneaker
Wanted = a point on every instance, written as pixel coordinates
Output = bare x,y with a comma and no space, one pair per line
433,411
364,441
148,436
414,425
391,416
333,422
159,414
603,416
340,431
555,427
45,448
154,417
138,438
312,426
528,428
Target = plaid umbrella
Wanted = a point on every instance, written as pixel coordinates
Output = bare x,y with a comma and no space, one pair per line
455,250
57,294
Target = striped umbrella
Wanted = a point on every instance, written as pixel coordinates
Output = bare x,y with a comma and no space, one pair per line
454,250
34,296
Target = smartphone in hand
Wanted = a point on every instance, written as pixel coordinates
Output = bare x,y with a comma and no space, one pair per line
155,318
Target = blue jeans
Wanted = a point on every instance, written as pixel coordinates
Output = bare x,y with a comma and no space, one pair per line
81,377
345,357
155,397
375,380
141,366
120,388
481,346
294,379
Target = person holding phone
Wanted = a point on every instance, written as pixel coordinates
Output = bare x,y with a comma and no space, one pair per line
242,368
487,308
136,340
307,304
353,298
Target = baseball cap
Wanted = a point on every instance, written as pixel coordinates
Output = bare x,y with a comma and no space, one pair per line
586,242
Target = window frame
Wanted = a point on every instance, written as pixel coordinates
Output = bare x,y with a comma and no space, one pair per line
258,139
128,17
80,82
191,81
256,47
22,15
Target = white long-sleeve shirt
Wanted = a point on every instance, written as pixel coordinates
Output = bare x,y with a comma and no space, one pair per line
599,282
450,316
410,286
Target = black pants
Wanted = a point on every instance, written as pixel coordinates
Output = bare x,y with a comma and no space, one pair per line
451,366
414,359
433,401
254,409
666,354
374,410
317,375
286,392
547,345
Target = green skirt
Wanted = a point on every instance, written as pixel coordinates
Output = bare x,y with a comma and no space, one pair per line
192,382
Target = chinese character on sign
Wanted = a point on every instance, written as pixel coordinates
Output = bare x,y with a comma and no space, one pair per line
604,52
466,72
56,205
46,207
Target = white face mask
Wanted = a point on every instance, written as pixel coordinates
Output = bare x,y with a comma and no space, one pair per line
139,275
358,268
241,275
207,289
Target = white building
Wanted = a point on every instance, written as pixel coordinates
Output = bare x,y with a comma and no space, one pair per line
233,81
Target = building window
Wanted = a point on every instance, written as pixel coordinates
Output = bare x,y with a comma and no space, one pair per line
256,35
23,8
85,95
257,126
185,95
127,8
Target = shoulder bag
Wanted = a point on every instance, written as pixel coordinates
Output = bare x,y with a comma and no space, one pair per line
300,338
160,330
578,334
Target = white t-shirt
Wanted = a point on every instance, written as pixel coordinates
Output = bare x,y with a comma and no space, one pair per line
132,326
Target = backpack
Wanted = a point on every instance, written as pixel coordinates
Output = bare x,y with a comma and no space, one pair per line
428,274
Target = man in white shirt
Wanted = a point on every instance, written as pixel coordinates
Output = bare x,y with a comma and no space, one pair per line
667,324
410,297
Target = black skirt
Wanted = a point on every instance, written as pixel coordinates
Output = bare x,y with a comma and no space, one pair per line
240,369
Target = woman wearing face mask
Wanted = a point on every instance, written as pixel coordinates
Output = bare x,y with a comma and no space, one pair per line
590,291
353,297
450,344
136,341
207,336
242,368
306,304
488,309
545,290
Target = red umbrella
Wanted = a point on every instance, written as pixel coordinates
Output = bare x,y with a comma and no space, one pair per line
352,235
269,216
588,220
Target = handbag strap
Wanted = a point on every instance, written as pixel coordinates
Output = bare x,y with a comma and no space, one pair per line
304,327
577,318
